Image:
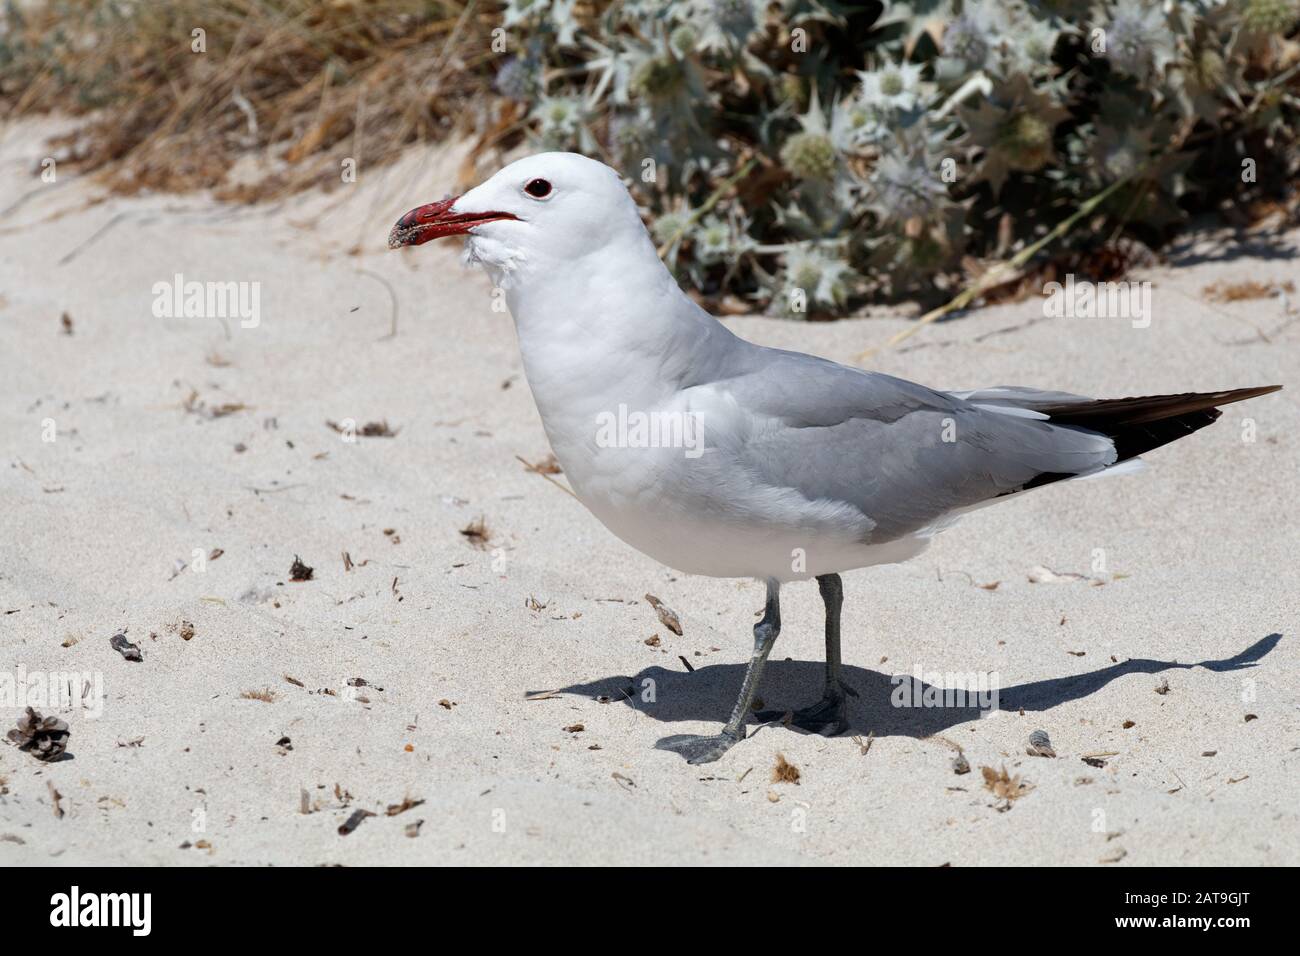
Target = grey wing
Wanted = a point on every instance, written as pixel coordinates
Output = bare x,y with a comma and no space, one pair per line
1017,399
906,456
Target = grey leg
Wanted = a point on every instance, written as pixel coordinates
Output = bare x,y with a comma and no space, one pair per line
827,716
706,749
832,589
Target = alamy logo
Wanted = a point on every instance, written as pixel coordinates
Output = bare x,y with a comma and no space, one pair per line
179,299
103,909
624,429
53,690
921,688
1098,300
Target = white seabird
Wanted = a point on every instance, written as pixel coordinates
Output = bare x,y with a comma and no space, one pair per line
717,456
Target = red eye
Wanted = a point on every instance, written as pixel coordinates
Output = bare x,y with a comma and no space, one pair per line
538,188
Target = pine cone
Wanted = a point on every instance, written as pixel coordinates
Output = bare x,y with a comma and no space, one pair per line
43,737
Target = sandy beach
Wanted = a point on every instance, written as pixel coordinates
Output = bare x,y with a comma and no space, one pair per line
161,475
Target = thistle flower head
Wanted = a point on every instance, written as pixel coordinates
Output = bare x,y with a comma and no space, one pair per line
672,225
518,79
854,124
684,38
794,90
1026,139
972,35
724,25
1035,40
559,120
657,78
1138,40
719,240
1117,152
1207,69
905,185
810,156
1269,16
895,86
1014,125
813,277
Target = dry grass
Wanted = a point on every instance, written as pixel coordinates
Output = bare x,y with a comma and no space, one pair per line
1003,785
266,695
784,771
1245,290
305,84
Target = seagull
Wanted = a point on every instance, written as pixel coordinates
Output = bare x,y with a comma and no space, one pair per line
719,457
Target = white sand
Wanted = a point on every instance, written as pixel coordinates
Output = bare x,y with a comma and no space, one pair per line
1199,552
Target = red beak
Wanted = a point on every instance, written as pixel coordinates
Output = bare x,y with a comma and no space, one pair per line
435,220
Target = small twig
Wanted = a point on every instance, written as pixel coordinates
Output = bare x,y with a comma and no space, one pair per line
534,469
272,491
92,237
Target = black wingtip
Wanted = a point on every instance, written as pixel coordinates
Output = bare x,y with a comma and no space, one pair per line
1138,425
1241,394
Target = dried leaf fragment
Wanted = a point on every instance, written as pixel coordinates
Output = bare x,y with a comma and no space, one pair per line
667,616
407,803
547,466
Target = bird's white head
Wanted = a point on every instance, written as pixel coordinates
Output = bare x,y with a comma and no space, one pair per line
531,216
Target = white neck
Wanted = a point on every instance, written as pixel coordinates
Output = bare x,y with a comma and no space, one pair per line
610,328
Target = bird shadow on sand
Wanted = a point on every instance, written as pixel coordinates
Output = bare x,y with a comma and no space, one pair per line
707,693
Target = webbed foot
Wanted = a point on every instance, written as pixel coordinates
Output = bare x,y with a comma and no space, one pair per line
697,748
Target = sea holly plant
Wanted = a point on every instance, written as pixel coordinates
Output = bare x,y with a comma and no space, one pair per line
829,153
890,143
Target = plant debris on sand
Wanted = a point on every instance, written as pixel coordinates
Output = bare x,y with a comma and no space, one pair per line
45,738
476,533
784,771
667,616
299,571
1004,786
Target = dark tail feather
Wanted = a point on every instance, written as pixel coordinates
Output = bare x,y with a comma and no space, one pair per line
1138,425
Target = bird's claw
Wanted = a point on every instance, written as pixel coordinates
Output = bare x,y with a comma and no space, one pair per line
697,748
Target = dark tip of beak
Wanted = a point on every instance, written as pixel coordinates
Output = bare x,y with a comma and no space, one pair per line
436,220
